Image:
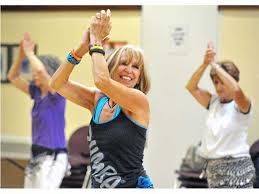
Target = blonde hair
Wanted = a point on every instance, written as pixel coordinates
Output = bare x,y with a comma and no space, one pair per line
113,61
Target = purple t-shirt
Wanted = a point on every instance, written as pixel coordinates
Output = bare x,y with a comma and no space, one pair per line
48,119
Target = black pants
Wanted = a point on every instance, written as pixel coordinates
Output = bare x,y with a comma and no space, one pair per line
41,150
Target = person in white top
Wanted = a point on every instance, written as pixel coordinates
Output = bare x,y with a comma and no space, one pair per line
224,143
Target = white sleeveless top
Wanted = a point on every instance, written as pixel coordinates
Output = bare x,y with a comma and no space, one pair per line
226,133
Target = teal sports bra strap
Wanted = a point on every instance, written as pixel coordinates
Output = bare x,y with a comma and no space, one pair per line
99,107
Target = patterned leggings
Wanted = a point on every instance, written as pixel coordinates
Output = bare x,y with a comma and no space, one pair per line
230,172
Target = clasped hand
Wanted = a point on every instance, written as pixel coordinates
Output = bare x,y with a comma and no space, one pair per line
100,27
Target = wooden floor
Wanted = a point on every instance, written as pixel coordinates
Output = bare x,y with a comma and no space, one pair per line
11,175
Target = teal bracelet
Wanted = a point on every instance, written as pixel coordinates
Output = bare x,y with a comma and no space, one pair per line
72,60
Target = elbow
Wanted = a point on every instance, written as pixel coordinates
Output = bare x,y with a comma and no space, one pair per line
54,84
101,81
189,87
11,77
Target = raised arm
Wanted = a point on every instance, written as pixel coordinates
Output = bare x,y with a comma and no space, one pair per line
28,47
75,92
239,96
15,71
38,69
201,95
130,99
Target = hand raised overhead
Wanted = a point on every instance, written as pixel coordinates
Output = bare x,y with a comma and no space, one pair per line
100,27
27,44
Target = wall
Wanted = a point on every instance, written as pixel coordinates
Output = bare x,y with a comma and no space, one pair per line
55,32
238,41
176,118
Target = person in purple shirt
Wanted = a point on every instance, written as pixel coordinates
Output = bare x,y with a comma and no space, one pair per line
49,161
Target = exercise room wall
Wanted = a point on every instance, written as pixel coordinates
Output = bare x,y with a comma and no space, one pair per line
238,41
55,32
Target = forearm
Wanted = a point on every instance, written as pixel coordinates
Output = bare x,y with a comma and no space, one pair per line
229,81
15,69
196,77
100,70
35,62
61,76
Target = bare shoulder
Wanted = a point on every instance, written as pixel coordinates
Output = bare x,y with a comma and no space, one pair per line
142,104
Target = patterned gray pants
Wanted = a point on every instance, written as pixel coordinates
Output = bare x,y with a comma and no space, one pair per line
230,172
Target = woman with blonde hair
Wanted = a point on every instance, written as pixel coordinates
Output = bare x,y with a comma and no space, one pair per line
119,106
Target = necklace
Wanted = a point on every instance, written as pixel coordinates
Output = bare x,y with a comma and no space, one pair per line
111,107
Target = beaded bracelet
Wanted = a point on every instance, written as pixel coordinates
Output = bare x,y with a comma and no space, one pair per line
73,58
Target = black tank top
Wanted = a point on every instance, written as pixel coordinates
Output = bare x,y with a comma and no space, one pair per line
116,150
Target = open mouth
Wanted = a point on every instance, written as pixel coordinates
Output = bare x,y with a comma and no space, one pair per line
127,78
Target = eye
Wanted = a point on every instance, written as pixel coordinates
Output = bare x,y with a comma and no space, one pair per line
124,64
135,66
